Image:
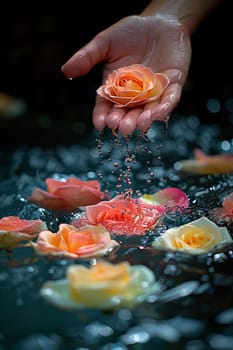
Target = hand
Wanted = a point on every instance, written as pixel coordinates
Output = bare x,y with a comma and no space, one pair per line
160,42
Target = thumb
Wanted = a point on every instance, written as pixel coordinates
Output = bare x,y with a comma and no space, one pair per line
87,57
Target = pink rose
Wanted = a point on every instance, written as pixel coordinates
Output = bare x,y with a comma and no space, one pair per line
67,195
133,86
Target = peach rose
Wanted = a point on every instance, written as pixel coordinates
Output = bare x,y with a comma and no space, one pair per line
123,216
70,242
207,164
102,286
14,230
67,195
133,86
197,237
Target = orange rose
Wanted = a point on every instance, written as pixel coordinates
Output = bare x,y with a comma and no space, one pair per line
133,86
71,242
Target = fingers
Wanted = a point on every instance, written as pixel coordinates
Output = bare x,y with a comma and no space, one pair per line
87,57
162,110
100,112
104,115
113,120
127,121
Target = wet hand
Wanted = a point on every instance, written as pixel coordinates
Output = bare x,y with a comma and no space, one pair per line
159,42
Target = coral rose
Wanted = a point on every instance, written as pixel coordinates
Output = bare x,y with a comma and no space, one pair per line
70,242
225,213
122,215
67,195
133,86
102,286
197,237
14,230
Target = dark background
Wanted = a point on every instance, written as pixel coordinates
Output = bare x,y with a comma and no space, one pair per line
38,37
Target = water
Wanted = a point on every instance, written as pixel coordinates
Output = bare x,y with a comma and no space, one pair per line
193,309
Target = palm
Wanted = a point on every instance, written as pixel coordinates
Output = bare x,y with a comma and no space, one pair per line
152,41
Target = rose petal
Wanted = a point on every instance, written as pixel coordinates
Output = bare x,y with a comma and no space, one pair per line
207,164
170,197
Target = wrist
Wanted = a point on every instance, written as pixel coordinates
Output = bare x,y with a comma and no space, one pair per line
188,13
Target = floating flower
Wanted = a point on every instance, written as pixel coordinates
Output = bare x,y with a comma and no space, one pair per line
226,211
207,164
67,195
133,86
102,286
170,197
122,215
70,242
228,204
14,230
197,237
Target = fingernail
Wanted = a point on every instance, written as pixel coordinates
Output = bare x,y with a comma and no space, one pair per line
64,72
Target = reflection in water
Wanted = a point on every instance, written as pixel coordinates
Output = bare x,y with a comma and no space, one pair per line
193,309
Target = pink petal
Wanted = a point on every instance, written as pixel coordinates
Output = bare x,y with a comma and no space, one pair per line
171,197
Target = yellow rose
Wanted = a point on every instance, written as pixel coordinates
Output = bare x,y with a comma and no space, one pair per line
102,286
95,285
196,237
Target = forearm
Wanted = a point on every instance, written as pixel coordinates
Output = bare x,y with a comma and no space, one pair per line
188,12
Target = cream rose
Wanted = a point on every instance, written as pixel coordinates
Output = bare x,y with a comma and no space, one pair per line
102,286
133,86
197,237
